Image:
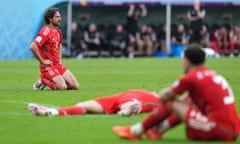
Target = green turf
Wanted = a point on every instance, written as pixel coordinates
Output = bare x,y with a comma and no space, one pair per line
97,77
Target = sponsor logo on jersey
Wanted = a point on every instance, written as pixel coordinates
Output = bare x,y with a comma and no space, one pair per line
38,39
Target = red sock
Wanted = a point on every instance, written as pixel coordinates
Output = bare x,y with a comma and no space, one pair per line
72,110
49,83
158,115
173,120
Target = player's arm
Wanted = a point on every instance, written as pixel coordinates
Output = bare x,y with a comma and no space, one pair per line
144,10
34,49
177,88
60,53
131,10
166,95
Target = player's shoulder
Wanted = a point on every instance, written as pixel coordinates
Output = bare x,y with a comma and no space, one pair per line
59,30
193,75
198,70
203,74
45,30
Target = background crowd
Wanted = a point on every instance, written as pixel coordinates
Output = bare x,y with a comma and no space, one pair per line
131,39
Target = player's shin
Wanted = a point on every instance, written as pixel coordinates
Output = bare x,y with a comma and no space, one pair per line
72,110
168,123
49,83
157,131
158,115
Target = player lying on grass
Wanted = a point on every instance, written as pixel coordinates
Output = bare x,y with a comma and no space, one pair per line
213,116
128,103
47,48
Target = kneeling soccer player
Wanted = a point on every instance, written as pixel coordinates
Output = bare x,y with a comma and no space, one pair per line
128,103
213,116
47,48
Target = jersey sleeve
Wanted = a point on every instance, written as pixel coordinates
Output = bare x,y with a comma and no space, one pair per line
181,85
42,37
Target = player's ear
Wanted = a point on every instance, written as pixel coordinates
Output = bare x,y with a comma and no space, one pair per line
50,20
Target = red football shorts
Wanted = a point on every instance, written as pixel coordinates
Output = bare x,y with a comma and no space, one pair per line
194,117
108,104
52,71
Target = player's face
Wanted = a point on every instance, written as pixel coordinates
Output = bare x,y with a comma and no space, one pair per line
56,20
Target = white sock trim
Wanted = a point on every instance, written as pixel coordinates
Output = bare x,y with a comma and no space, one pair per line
137,129
54,112
164,126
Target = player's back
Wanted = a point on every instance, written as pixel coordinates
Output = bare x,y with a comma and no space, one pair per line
213,96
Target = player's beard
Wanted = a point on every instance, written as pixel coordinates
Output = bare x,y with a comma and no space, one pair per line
57,24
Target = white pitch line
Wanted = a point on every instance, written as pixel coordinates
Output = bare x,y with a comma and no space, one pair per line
19,113
15,114
25,103
13,102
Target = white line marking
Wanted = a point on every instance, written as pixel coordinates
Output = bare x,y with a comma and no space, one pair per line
14,114
13,102
25,103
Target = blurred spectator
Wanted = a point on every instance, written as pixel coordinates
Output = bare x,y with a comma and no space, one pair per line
144,42
235,39
153,37
134,13
181,37
196,16
91,40
221,45
75,39
117,41
161,39
205,37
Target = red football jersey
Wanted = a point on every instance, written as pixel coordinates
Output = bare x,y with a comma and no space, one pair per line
112,104
48,42
212,95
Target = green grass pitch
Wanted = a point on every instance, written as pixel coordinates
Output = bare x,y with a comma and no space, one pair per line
97,77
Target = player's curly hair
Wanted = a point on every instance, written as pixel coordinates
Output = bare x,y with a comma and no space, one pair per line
49,14
195,54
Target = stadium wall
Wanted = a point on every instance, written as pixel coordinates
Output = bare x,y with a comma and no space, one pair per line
19,23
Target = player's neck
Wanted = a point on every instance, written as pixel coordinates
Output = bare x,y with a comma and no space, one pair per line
194,67
52,27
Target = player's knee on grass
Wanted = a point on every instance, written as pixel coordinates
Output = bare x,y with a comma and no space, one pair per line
60,83
74,86
71,81
61,86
